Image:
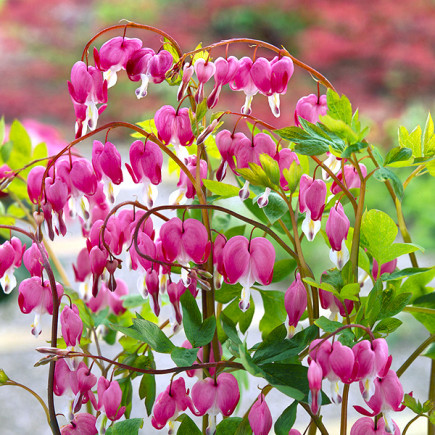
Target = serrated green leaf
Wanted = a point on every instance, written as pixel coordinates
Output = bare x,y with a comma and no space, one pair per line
126,427
340,128
147,391
412,403
286,420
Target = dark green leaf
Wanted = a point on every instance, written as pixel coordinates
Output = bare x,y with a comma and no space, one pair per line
126,427
184,357
187,426
151,334
404,273
292,376
198,333
355,148
244,428
412,404
286,420
147,391
201,110
387,326
228,292
398,154
276,208
230,329
392,306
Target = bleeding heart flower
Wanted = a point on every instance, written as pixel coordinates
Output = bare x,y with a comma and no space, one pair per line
337,227
247,262
11,253
365,426
295,302
174,126
204,70
244,82
109,398
260,418
114,55
71,325
226,69
82,424
351,178
310,108
315,383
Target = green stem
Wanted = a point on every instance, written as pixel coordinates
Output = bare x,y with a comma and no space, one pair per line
412,421
357,230
343,424
415,354
315,419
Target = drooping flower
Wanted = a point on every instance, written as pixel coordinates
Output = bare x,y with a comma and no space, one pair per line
32,260
109,398
186,189
112,299
244,82
315,384
204,70
106,161
366,426
11,253
146,160
37,297
285,158
271,79
295,302
351,178
173,126
226,69
337,227
312,195
71,325
342,362
175,291
260,418
146,65
329,301
82,424
188,71
310,108
246,262
227,143
212,396
170,403
114,55
87,89
387,398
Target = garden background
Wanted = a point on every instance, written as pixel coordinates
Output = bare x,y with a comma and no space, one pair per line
381,54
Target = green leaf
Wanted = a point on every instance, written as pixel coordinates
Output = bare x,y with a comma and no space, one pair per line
271,168
398,154
184,357
274,310
230,329
430,351
132,301
255,175
228,426
354,148
411,140
248,363
394,305
201,110
378,232
340,128
187,426
126,427
21,150
282,269
244,428
222,189
429,137
286,420
350,291
404,273
151,334
198,333
147,391
385,174
228,292
127,394
339,107
148,125
295,385
413,404
387,326
276,208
